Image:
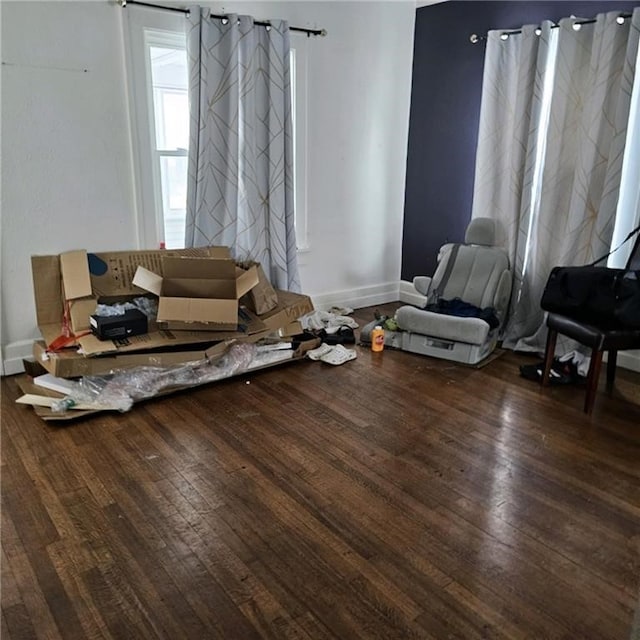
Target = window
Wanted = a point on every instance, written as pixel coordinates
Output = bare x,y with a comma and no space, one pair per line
170,105
628,210
158,84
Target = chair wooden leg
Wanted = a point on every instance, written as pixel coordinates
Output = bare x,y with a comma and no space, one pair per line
552,336
612,357
592,380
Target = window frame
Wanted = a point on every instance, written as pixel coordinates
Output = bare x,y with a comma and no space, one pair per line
143,28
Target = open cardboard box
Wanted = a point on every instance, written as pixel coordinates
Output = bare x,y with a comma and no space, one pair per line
198,292
68,286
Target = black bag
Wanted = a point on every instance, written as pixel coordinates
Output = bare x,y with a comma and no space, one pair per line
608,298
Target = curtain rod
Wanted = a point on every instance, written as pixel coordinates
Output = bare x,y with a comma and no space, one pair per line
309,32
474,37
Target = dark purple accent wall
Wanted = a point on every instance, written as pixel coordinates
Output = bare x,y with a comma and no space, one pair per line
445,109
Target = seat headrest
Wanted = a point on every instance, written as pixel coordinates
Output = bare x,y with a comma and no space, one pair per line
481,231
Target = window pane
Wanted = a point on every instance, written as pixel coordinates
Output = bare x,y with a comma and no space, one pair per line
173,175
172,119
170,100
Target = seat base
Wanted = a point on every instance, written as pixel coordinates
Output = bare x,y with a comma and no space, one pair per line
448,349
434,346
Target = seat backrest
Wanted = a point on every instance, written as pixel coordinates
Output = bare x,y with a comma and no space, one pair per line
476,271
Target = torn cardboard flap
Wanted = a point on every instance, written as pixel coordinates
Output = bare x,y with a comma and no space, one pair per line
148,280
291,307
262,298
75,275
221,314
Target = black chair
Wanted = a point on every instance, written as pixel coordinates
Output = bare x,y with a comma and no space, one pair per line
599,340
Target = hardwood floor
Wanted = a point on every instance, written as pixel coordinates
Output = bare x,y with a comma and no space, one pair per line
396,496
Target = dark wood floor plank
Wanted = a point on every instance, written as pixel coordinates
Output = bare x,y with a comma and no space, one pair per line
397,496
25,598
316,524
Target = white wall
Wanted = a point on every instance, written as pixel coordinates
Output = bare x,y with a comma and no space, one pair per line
66,155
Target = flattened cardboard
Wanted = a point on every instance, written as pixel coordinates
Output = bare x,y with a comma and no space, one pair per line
153,341
291,307
263,297
26,386
148,280
71,364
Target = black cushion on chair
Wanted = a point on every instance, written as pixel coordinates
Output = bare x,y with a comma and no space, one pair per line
598,340
590,336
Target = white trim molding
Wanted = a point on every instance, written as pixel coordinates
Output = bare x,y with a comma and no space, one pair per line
629,360
13,354
357,298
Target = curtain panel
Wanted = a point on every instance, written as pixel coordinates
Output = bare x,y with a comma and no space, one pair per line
240,170
553,125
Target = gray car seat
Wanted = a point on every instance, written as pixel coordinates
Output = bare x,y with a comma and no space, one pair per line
477,273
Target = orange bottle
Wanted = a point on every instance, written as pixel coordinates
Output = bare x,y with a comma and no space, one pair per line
377,338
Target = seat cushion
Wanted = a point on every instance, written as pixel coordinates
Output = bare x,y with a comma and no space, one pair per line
438,325
591,336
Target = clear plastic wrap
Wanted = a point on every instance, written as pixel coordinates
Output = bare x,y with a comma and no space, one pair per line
119,390
89,391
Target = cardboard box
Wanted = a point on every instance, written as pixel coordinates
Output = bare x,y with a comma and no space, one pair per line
68,286
111,277
200,291
75,280
291,307
263,297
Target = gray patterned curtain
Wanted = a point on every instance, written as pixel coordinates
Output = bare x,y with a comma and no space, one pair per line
553,126
240,175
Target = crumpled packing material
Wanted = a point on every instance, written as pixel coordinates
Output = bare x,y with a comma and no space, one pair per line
120,390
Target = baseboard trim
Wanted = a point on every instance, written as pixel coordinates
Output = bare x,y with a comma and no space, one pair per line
357,298
13,354
629,360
